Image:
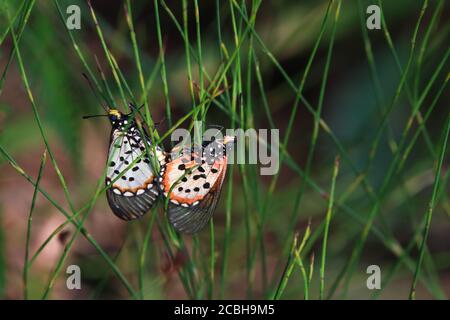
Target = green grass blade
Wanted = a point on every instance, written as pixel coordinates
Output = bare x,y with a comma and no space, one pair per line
26,264
327,227
431,206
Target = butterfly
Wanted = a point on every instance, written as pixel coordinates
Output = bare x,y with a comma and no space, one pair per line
191,181
130,176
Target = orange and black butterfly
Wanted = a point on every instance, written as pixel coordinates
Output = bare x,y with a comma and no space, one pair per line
191,182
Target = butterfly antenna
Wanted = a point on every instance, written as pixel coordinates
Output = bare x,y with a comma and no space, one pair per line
157,124
216,126
133,107
105,84
95,116
135,110
94,91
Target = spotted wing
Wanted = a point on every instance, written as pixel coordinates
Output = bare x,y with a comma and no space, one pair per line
133,190
193,187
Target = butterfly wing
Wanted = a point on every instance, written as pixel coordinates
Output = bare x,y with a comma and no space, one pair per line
133,190
193,189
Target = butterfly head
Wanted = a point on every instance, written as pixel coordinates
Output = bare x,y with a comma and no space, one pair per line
215,149
115,115
119,120
229,140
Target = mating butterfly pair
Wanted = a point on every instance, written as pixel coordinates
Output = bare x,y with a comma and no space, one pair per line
190,181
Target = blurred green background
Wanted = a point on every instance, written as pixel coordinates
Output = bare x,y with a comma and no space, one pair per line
356,95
